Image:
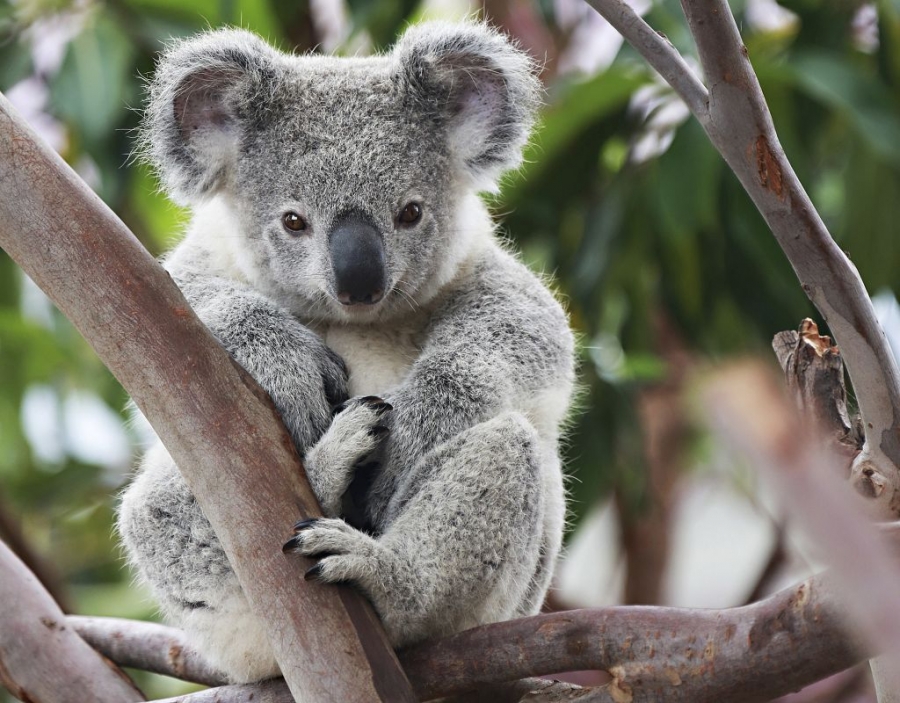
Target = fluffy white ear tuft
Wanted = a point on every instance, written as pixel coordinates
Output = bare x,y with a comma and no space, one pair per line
482,86
204,90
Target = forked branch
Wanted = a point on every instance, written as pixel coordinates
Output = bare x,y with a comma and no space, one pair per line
740,127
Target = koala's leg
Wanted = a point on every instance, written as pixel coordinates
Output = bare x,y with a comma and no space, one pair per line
176,552
465,545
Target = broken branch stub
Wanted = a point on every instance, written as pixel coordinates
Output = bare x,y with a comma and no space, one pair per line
814,371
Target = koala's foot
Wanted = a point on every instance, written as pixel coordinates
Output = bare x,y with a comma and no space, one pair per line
348,555
353,441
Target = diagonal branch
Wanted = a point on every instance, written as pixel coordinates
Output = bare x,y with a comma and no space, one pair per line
739,125
39,655
658,52
220,428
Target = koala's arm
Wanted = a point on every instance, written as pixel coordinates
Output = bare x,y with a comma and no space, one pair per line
499,342
304,378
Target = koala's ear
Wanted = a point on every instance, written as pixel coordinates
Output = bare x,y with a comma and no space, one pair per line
480,84
204,93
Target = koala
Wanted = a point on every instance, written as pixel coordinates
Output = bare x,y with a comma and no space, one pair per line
340,252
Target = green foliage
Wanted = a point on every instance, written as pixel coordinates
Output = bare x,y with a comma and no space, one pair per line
628,244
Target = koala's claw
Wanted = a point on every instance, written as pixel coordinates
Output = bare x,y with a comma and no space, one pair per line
379,405
313,572
303,524
355,438
345,554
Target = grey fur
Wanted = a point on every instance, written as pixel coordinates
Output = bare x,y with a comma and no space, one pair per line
461,502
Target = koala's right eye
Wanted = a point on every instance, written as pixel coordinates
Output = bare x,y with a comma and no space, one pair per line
293,222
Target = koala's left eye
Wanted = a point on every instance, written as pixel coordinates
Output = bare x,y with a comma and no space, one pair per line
410,214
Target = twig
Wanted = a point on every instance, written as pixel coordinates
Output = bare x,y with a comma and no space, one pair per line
220,428
658,51
40,656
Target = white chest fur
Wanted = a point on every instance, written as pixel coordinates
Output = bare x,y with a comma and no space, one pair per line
378,359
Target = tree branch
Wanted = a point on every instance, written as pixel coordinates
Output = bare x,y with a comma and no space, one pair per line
750,653
741,129
147,646
658,52
39,655
739,125
220,428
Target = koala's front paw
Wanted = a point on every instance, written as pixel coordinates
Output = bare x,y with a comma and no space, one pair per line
352,442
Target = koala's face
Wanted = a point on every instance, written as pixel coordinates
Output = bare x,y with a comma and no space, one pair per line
350,176
352,202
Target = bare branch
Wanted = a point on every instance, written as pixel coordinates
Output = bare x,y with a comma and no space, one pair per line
658,51
740,127
738,123
217,424
40,656
747,405
751,653
147,646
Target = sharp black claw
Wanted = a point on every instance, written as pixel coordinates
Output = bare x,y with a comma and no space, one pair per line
379,405
378,431
291,544
339,408
313,572
304,524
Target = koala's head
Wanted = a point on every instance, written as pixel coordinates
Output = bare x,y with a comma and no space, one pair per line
348,178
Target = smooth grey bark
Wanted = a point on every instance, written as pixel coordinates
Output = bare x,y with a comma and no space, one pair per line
218,425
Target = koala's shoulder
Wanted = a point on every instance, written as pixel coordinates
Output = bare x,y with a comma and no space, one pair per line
499,289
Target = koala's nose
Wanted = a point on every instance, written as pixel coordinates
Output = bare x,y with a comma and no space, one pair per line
357,259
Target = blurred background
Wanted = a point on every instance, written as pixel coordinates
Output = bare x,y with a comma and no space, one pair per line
663,262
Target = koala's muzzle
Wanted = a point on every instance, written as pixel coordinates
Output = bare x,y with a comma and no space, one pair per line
357,259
